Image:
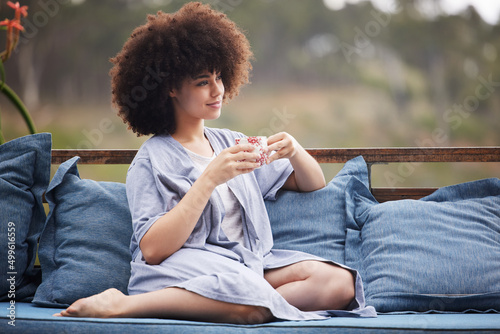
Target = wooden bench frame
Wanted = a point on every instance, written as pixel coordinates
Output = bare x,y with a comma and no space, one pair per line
330,155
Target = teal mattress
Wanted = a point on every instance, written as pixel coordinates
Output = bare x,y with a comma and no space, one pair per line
32,319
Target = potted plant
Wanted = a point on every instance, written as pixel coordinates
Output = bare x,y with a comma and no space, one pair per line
13,28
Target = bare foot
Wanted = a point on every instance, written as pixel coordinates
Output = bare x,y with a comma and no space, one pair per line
103,305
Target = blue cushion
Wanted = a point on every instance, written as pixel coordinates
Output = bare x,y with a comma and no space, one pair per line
439,253
24,176
84,248
32,319
314,222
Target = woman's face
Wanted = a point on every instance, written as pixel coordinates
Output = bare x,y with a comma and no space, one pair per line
199,97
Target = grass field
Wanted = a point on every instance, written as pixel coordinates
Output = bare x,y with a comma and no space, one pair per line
319,117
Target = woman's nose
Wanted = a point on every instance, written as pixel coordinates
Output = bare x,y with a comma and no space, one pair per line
218,88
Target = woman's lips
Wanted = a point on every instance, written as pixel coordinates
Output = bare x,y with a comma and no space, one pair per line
216,104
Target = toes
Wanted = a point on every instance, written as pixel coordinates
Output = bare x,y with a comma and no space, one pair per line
101,305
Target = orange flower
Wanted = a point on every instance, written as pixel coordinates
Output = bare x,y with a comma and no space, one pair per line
20,10
11,24
13,29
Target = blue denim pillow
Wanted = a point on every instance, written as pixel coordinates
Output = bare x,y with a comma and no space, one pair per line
440,253
314,222
84,248
24,176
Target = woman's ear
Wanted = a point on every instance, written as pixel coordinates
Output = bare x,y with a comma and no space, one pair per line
171,93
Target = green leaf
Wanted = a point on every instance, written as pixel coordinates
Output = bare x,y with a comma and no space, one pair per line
12,96
2,139
2,74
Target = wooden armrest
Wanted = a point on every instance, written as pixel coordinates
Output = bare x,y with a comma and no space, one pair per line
411,154
371,155
97,157
322,155
392,194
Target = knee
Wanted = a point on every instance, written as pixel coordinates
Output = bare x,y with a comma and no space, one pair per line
343,288
248,314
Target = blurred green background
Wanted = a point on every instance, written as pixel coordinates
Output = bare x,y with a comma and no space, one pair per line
360,74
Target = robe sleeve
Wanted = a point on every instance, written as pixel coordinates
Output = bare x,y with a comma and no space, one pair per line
272,177
146,203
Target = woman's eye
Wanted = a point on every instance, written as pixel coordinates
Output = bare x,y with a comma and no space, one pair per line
203,83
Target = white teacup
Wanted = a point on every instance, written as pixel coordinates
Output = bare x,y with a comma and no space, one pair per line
260,144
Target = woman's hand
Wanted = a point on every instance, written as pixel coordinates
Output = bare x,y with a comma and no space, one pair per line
307,174
284,145
231,162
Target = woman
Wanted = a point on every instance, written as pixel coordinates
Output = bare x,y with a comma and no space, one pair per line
201,247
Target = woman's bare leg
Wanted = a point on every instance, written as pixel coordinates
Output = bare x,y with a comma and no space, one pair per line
171,303
313,285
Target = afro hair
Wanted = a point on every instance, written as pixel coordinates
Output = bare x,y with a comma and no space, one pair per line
169,48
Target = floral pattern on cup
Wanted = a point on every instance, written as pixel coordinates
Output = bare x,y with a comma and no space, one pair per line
260,144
